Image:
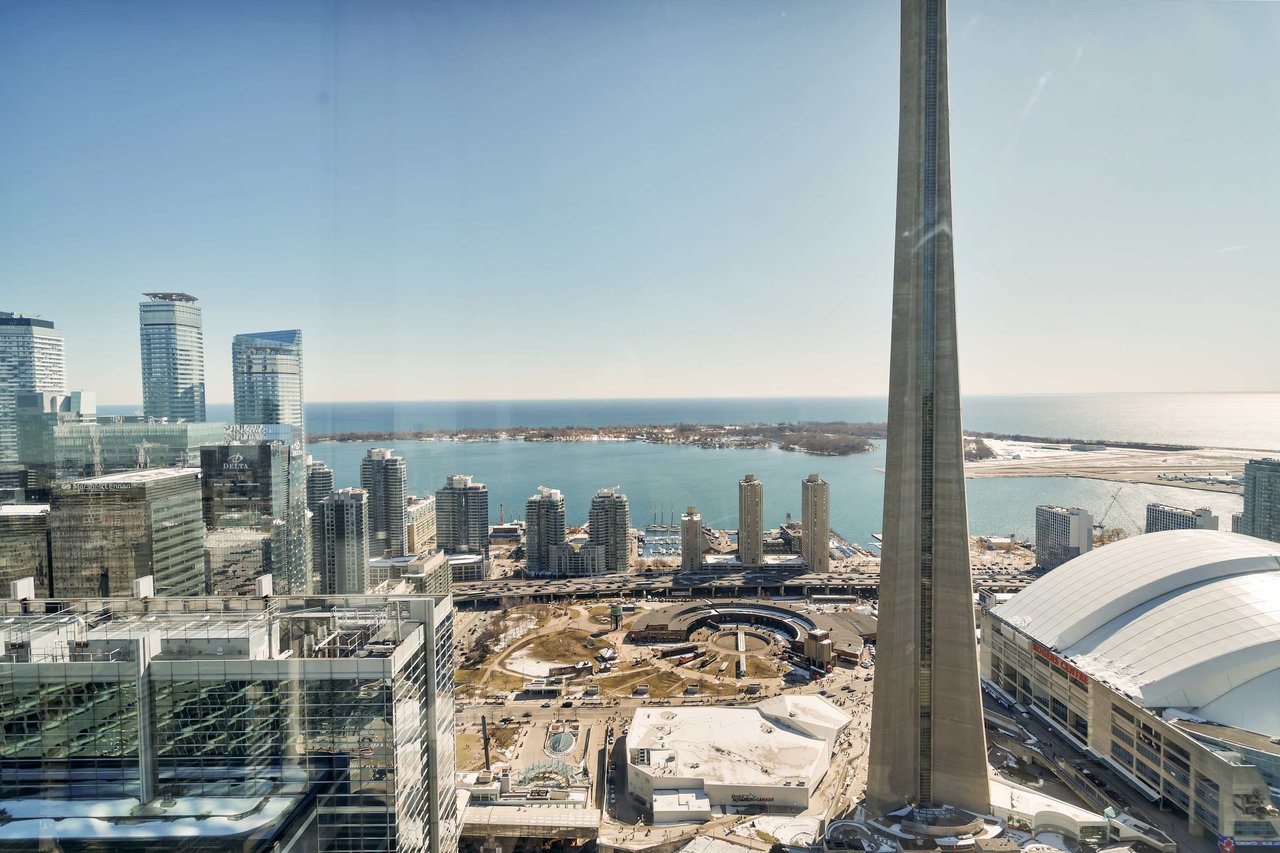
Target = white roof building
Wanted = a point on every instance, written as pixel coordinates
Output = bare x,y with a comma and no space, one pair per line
1159,655
686,760
1180,619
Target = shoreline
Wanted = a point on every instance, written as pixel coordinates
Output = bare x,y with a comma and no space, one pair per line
835,438
1207,469
1210,469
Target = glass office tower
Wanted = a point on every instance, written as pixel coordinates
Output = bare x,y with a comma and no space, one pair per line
106,532
172,338
228,724
267,374
60,438
31,360
259,487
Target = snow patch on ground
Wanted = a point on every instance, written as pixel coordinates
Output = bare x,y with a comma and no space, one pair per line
526,663
788,829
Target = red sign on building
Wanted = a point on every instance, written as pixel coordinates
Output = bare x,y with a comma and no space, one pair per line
1057,660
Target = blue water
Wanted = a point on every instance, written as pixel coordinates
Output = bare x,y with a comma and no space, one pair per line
664,479
1212,420
661,479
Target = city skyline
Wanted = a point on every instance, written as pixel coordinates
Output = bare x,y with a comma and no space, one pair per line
373,153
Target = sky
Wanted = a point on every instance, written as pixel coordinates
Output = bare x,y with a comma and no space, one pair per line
504,200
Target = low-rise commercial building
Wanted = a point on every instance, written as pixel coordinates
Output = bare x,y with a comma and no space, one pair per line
577,559
429,573
467,567
689,763
1157,655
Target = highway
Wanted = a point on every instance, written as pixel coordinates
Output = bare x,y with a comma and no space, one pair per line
729,583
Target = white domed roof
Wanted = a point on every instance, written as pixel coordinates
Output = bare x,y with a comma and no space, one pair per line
1182,619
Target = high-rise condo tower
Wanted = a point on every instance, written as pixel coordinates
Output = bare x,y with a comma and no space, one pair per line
384,476
172,337
815,523
751,521
266,372
927,740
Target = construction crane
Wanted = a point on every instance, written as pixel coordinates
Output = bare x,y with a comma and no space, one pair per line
1100,525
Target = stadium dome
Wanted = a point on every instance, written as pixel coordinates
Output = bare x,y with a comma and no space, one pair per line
1184,619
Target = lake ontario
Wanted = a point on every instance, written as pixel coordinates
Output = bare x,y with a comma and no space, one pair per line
661,480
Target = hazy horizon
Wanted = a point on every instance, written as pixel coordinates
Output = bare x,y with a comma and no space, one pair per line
693,398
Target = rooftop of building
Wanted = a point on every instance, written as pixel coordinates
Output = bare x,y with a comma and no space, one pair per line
126,821
140,475
8,318
295,627
817,712
1269,744
1185,619
170,297
24,509
281,336
743,746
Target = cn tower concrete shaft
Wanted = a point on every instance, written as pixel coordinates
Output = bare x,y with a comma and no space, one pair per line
927,740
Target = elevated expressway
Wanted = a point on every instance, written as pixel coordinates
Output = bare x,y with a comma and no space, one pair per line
720,583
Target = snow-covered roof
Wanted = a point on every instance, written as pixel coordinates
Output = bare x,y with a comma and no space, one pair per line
721,745
1183,618
807,712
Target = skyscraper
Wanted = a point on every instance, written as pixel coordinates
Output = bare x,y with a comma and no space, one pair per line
751,521
691,539
815,522
610,526
544,527
267,375
1061,534
1261,515
107,532
172,336
319,482
462,515
31,360
259,486
340,543
384,477
928,745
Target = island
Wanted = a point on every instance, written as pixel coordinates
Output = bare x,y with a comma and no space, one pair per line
836,438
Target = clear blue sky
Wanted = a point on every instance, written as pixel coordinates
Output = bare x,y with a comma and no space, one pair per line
621,199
